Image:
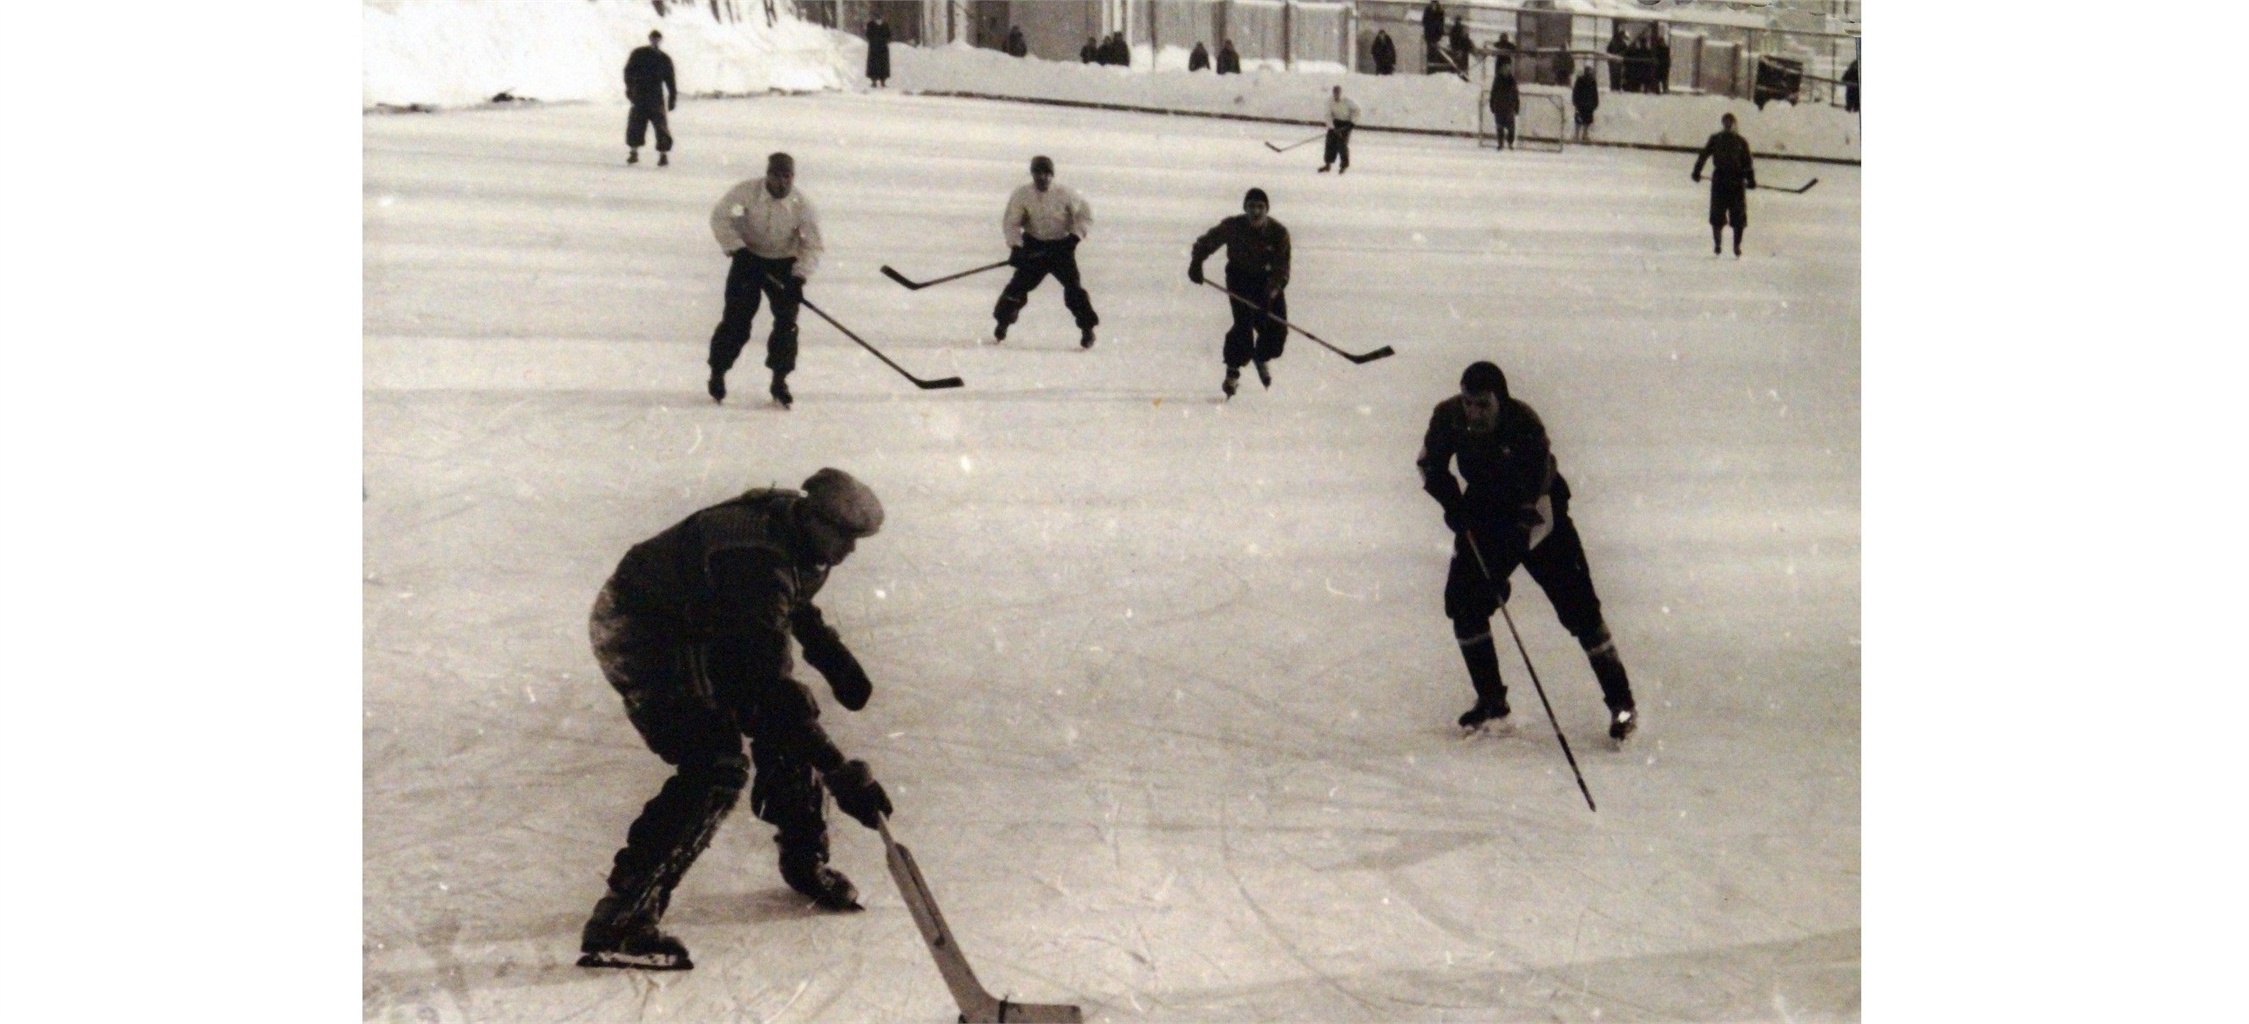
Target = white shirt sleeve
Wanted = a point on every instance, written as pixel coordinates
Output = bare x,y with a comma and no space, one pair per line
809,245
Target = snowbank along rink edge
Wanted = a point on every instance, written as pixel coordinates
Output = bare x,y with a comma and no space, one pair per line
1164,691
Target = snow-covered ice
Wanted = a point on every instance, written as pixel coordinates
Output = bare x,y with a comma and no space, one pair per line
1164,688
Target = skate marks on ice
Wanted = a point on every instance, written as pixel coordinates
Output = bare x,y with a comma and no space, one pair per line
1812,978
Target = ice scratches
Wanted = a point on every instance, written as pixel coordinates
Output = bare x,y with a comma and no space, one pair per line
1226,857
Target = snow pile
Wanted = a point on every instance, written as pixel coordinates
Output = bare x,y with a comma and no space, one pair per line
1429,102
456,52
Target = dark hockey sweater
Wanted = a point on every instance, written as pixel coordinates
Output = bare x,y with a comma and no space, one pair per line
1728,154
1250,250
648,72
1508,469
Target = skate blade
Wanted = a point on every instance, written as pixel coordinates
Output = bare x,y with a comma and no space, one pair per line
1039,1013
637,961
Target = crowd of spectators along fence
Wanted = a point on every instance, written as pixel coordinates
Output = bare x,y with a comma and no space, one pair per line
1657,54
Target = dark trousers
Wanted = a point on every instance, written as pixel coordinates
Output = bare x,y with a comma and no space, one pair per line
636,126
1729,204
751,278
1557,564
1339,144
666,686
1254,336
1060,258
1506,130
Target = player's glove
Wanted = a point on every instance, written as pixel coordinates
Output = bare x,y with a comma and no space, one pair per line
1454,519
1015,255
858,794
1697,176
1752,183
1195,272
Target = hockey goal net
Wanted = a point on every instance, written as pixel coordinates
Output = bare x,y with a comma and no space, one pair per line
1541,124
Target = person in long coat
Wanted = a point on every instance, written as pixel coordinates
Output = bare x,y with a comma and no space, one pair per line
1229,59
1015,45
1585,95
1385,53
1507,101
1461,46
1199,58
878,52
1617,47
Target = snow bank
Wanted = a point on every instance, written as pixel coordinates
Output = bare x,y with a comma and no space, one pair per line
457,52
1428,102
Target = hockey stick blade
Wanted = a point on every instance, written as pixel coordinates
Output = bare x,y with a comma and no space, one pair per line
1807,187
1293,145
1384,352
925,385
976,1004
913,285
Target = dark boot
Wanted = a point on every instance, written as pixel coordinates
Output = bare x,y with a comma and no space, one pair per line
619,935
1085,337
632,156
780,390
828,888
999,332
1483,673
663,159
1616,687
717,385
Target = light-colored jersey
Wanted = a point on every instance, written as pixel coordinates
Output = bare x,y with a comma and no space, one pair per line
749,217
1342,110
1046,216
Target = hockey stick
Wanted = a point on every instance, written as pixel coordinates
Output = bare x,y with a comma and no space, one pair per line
977,1005
1380,353
1293,145
919,285
1535,684
1800,191
925,385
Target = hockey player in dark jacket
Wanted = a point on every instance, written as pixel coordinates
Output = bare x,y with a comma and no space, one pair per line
1514,511
693,631
1506,102
1257,266
652,89
1585,95
1731,173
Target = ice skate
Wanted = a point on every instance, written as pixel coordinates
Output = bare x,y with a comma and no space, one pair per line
1483,716
663,159
717,386
1085,338
1264,376
1233,381
1623,722
999,333
632,156
612,938
825,886
1324,168
780,392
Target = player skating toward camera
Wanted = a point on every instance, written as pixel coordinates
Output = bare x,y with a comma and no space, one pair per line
1257,266
693,631
1043,224
768,227
1514,511
1732,173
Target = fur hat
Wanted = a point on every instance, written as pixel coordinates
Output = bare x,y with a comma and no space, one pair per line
840,498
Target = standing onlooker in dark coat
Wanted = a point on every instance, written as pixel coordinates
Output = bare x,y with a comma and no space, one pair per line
1257,269
1507,101
1461,46
1090,52
1229,62
1731,172
878,52
1199,58
1617,47
1432,31
1015,46
1385,53
1637,60
1662,48
1123,51
648,80
1851,86
1585,95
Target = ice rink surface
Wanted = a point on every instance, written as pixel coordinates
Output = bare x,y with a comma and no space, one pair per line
1164,690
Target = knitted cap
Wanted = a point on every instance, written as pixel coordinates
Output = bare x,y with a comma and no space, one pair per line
1483,378
781,162
840,498
1040,163
1255,195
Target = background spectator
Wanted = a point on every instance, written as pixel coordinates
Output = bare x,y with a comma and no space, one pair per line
1385,53
1200,58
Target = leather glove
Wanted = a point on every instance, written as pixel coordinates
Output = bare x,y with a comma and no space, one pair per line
1015,255
1195,272
1752,183
846,679
1453,518
858,794
1697,176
